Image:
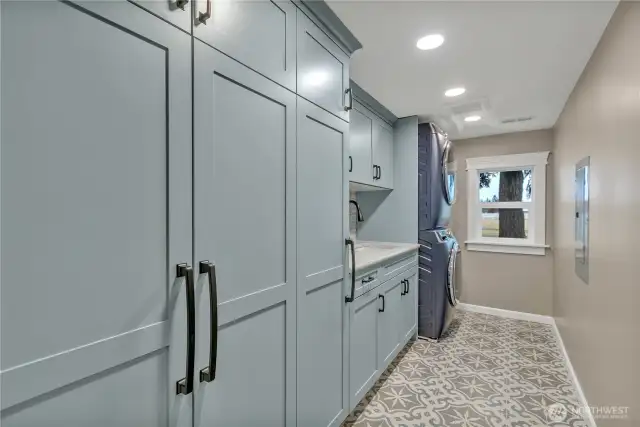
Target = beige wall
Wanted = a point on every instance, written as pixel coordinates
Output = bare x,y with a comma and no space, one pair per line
600,322
507,281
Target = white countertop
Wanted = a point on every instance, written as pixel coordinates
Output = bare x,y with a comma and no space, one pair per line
369,254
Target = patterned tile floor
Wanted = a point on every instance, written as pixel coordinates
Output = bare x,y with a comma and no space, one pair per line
486,371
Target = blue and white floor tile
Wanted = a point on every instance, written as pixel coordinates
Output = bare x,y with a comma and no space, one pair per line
487,371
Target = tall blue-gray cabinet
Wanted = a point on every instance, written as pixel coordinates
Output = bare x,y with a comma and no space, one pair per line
322,228
245,225
260,34
174,214
96,216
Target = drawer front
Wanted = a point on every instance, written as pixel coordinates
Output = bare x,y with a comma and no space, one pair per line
323,69
366,281
391,270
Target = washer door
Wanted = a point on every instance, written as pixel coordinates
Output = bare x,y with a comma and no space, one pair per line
446,185
451,276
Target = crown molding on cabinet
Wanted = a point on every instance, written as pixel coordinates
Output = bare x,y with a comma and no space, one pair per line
371,103
322,14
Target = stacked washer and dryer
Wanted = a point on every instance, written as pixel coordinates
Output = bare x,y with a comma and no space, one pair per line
437,295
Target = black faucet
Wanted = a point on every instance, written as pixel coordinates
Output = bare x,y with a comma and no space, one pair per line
360,217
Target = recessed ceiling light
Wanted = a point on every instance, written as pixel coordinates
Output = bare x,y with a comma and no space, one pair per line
431,41
472,118
456,91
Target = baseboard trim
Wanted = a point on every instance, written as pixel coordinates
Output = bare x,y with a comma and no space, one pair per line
574,378
549,321
507,313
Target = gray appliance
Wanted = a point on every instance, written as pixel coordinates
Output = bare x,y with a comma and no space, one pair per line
436,186
438,293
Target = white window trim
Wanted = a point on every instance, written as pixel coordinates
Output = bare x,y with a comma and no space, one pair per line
535,243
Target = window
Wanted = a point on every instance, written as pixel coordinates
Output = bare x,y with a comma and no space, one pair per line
506,203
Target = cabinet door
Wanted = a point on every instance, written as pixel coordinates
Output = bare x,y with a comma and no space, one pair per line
322,229
363,346
360,146
96,215
259,34
323,68
383,153
409,306
245,224
389,318
176,12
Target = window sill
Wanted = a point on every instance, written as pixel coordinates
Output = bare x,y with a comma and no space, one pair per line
506,247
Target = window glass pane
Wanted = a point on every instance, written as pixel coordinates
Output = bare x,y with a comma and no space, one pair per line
513,223
505,186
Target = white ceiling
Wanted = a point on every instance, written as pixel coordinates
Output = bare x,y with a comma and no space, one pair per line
516,58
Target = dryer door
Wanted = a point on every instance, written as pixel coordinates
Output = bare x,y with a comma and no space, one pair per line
451,276
447,184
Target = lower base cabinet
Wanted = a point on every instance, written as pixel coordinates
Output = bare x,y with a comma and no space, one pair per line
389,321
381,322
409,304
363,345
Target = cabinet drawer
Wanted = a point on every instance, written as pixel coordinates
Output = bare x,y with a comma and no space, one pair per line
323,69
259,34
397,267
366,281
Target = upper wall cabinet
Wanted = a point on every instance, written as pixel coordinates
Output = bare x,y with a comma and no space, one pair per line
259,34
360,164
323,69
370,148
176,12
382,152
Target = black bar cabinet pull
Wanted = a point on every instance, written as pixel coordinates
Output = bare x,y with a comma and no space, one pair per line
350,164
208,374
375,171
185,385
404,287
379,172
181,3
381,310
407,291
350,243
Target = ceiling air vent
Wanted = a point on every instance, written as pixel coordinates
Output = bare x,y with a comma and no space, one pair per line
469,108
517,120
